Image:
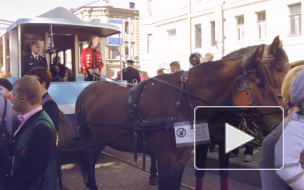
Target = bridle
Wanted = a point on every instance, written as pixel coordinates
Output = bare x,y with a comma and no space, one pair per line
242,82
267,57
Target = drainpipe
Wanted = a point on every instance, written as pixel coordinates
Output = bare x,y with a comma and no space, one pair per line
129,44
223,28
189,25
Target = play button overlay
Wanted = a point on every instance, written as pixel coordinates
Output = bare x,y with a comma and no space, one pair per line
235,132
235,138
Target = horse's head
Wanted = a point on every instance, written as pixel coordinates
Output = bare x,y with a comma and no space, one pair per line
255,85
276,62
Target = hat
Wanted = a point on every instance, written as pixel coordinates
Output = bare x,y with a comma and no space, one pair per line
297,89
6,84
130,61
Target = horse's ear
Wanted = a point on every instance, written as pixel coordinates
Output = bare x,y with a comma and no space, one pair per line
255,57
276,43
258,54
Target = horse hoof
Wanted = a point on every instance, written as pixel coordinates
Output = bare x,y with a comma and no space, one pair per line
92,188
153,181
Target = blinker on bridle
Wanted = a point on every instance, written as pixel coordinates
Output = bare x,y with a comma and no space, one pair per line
242,82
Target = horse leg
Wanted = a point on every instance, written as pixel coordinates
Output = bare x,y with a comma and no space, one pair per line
165,162
171,165
153,180
200,162
88,159
181,160
224,163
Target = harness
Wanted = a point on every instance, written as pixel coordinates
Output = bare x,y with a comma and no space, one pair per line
139,125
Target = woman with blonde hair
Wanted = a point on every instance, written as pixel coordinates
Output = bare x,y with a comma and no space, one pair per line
270,180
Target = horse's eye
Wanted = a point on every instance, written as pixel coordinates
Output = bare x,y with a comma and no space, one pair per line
259,83
280,70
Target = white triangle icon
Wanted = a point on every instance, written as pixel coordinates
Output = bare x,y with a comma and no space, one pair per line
235,138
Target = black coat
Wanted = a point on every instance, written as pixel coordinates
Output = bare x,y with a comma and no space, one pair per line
29,62
129,74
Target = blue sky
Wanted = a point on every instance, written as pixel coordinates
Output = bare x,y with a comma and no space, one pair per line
14,9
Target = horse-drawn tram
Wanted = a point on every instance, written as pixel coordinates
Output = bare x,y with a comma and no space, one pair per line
65,35
145,118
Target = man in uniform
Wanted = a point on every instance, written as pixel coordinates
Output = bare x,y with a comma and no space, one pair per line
130,74
91,61
33,59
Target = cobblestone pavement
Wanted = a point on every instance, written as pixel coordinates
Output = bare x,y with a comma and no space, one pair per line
113,174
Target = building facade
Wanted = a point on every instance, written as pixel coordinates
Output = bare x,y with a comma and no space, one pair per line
172,30
115,51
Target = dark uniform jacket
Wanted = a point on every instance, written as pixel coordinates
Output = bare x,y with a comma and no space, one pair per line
29,62
35,168
129,74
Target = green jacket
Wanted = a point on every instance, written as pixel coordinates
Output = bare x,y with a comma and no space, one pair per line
35,168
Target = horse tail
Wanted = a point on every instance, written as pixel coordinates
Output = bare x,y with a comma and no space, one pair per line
80,115
80,119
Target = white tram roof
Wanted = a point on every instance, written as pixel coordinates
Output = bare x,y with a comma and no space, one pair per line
63,22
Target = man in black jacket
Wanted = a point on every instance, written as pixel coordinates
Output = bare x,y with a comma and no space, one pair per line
33,59
130,74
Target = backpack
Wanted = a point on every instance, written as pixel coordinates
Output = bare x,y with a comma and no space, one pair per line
66,130
4,137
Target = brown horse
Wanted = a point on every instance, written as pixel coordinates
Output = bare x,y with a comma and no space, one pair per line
276,69
107,103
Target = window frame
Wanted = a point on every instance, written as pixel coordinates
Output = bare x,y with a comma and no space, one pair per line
261,25
213,33
295,18
240,32
198,35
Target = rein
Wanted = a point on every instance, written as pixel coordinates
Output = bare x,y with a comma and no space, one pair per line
186,92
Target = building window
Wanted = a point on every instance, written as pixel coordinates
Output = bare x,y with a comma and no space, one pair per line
150,7
198,35
115,52
261,25
126,52
127,27
171,36
149,41
213,41
295,19
240,28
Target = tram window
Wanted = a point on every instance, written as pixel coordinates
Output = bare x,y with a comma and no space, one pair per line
4,56
1,57
7,55
68,58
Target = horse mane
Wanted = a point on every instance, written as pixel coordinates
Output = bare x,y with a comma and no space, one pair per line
243,52
210,65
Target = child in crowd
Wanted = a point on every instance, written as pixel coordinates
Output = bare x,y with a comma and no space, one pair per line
293,173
